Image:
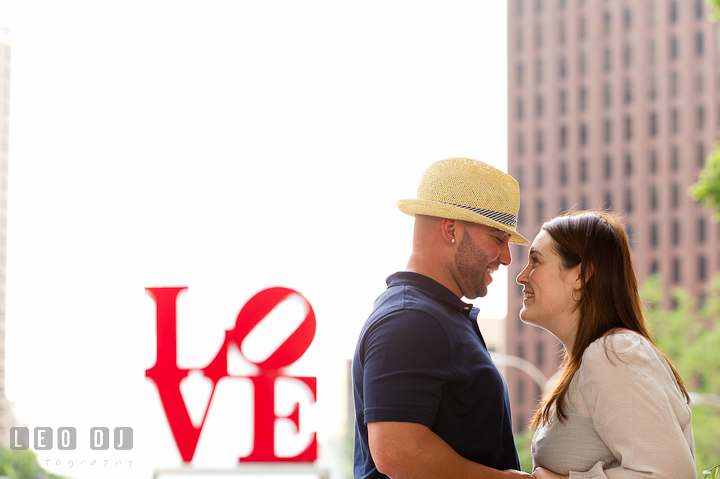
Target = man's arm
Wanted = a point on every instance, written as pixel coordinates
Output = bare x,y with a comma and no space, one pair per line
405,450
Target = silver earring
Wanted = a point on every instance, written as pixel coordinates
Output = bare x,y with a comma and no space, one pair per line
452,240
572,295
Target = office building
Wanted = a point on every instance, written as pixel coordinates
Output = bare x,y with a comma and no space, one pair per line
611,104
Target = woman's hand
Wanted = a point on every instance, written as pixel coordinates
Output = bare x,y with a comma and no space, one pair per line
541,473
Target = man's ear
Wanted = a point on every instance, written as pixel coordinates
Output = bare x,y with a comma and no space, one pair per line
450,230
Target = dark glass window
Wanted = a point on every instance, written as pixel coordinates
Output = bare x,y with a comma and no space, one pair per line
628,200
583,134
674,48
563,102
653,198
699,47
608,167
519,74
607,131
700,117
673,11
701,230
607,95
675,121
563,136
676,270
539,141
628,128
628,164
563,173
608,200
675,158
582,98
675,233
675,195
653,235
654,267
702,268
628,92
701,154
583,171
653,161
607,59
539,176
653,124
540,354
540,211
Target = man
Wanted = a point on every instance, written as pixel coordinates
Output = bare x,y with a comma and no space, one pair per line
429,402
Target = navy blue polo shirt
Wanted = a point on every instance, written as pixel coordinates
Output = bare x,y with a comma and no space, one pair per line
421,359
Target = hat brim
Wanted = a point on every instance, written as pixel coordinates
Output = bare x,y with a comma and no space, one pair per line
444,210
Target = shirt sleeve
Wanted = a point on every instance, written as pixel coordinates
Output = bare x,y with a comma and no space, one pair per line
637,410
405,367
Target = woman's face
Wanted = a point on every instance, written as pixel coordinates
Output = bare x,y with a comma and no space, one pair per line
547,290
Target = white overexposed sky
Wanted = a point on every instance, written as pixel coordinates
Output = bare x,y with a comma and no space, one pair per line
227,146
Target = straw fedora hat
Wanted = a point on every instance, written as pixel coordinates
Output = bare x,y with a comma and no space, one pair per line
468,190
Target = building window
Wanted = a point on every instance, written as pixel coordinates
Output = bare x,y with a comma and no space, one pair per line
519,39
521,180
519,109
606,95
675,233
628,164
539,176
701,155
562,32
653,161
675,158
563,137
582,64
675,120
563,173
653,269
519,8
583,134
675,195
539,106
628,128
520,143
538,70
653,235
563,102
676,270
538,36
606,24
628,91
519,74
627,56
653,124
608,200
700,117
699,47
608,167
673,11
652,87
628,201
627,18
563,67
582,28
583,171
674,84
701,230
583,202
540,210
606,59
674,48
539,141
653,198
702,268
699,9
607,131
563,205
652,52
538,6
582,98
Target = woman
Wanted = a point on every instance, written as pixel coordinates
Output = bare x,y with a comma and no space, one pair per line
620,409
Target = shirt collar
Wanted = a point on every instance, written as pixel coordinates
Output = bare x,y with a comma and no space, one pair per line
432,288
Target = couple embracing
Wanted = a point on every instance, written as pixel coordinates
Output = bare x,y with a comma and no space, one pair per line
431,404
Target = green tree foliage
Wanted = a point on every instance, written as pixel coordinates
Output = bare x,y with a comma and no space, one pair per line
689,335
707,188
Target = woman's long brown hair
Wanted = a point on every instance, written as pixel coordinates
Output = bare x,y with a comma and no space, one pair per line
609,293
